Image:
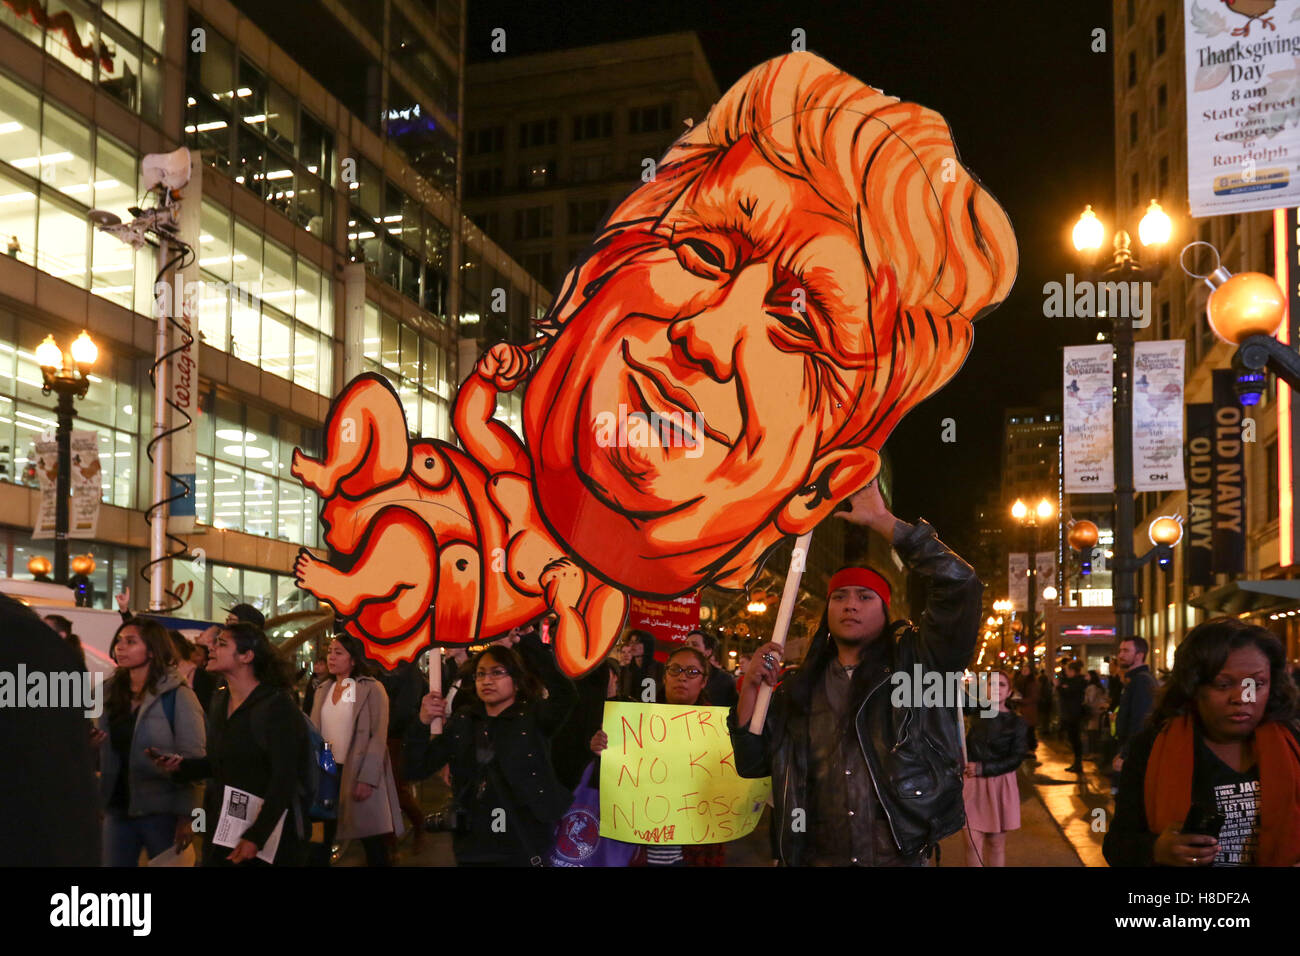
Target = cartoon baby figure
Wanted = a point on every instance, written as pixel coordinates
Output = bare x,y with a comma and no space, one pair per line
804,267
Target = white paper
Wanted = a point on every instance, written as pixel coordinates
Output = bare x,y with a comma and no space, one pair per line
239,810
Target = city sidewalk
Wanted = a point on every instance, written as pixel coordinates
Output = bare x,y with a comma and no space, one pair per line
1073,799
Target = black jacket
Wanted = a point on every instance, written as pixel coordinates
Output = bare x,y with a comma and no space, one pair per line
49,803
516,775
913,753
1071,691
1135,706
999,744
258,748
631,679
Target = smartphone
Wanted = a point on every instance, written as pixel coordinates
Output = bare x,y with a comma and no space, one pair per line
1203,822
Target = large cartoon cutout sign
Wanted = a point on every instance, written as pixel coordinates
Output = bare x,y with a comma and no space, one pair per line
719,373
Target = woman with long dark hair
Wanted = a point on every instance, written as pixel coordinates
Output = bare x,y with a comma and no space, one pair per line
499,749
148,709
351,712
686,675
256,743
1214,780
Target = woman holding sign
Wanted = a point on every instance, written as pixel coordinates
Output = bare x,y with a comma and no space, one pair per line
507,799
684,678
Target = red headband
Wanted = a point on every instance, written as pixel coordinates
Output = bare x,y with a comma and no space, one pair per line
859,578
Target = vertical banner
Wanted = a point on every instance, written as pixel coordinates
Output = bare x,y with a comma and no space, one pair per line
1199,538
1088,419
1158,415
45,458
668,621
1286,253
86,482
87,485
1242,135
1044,574
1229,478
184,378
1018,580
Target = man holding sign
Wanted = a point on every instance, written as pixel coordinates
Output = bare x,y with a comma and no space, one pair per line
864,775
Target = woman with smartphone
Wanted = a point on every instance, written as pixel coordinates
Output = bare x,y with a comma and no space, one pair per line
148,710
1214,779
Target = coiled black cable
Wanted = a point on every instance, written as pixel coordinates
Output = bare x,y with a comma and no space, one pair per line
182,259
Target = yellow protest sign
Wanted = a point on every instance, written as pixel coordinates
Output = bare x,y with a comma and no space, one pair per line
668,777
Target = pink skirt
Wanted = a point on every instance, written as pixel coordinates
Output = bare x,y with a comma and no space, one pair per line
992,803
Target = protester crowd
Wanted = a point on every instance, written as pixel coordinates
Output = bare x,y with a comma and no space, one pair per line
217,744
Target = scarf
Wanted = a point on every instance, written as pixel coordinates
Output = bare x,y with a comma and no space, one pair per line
1168,786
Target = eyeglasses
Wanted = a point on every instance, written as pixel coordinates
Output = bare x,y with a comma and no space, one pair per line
495,673
675,670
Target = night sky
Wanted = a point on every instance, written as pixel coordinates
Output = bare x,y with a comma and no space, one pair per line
1030,108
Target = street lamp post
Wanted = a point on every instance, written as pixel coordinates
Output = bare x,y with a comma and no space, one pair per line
1033,518
68,375
1154,231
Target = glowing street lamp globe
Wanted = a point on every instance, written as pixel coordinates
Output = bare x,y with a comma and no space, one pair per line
1088,232
1155,227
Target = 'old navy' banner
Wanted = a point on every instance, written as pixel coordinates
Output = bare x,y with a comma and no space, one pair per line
1199,540
1229,478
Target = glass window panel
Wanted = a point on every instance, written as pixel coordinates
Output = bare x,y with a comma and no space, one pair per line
410,361
314,146
281,117
191,583
247,261
277,277
23,25
206,424
391,345
410,224
250,96
112,269
225,587
203,489
123,470
245,329
325,352
326,304
370,341
307,205
214,310
259,503
306,365
311,520
250,161
229,432
227,496
151,87
259,592
260,446
129,13
64,161
120,78
100,403
75,48
289,437
410,277
207,128
115,175
217,67
307,304
390,264
279,182
214,241
152,33
17,219
61,243
410,400
288,511
277,344
20,123
370,194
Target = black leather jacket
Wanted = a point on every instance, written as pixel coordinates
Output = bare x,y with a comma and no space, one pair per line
999,744
912,753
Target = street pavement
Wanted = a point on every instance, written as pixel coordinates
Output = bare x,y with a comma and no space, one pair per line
1073,799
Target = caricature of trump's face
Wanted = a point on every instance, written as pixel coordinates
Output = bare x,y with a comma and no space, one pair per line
727,377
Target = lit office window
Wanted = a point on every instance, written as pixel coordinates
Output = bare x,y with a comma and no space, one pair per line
17,219
61,234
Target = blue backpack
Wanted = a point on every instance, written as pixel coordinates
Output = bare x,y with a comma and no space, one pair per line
318,777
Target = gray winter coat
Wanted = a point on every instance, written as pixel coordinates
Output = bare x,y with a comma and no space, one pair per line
368,762
153,790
